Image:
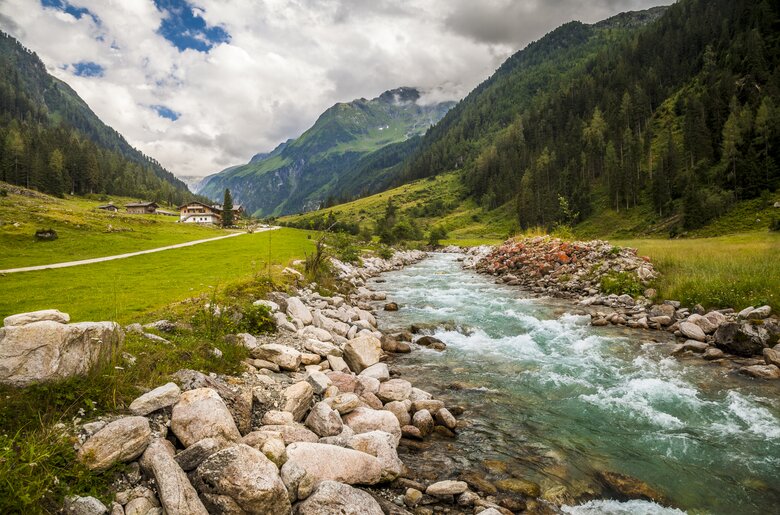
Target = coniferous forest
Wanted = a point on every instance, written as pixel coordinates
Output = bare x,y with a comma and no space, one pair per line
51,141
679,113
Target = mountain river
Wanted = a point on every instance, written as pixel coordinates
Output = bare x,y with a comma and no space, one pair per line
551,399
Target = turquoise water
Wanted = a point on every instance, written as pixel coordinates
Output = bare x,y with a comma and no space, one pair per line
558,400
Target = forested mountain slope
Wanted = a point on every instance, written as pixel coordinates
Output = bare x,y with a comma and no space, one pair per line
352,149
679,115
51,140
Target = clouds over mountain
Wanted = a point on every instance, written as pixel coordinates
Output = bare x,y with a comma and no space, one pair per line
203,84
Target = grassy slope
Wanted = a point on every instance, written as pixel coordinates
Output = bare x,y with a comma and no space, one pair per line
463,220
124,289
83,230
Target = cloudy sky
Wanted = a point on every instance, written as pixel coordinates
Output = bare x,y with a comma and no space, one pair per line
204,84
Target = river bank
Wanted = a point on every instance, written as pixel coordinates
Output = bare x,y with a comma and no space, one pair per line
612,285
571,407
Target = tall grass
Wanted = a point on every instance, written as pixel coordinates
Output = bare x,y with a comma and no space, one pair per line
728,271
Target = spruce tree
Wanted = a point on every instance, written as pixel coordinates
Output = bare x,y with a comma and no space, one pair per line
227,209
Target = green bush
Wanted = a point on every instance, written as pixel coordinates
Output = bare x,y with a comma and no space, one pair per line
257,320
343,247
774,224
437,233
620,283
385,252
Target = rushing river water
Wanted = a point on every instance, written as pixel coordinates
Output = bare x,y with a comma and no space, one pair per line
551,399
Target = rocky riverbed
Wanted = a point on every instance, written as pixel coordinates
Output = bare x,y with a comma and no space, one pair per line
543,266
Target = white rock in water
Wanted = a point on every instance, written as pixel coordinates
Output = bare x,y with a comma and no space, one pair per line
120,441
48,350
52,315
447,488
201,413
161,397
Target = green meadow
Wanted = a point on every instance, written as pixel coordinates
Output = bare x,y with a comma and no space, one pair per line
84,231
125,289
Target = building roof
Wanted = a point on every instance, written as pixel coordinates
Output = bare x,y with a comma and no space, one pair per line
141,204
108,206
195,202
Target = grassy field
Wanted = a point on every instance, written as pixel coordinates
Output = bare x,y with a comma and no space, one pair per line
124,289
727,271
84,231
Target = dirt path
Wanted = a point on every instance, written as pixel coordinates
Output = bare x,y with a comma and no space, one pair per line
123,256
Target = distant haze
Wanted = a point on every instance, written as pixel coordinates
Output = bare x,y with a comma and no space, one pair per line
205,84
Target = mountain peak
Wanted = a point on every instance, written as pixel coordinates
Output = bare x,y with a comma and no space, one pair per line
400,95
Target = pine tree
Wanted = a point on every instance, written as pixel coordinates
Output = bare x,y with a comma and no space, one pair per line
227,209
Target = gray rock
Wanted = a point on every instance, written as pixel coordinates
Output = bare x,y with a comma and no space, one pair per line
324,420
321,462
445,418
692,331
297,399
423,421
161,397
281,418
761,371
195,454
364,420
745,312
659,310
118,442
344,403
270,443
445,488
741,339
382,446
377,371
177,495
337,364
318,381
332,498
321,347
401,412
297,309
49,350
771,357
394,390
77,505
51,315
241,479
201,413
286,357
292,433
713,353
703,322
760,313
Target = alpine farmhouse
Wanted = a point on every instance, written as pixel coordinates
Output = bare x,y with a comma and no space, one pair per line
200,213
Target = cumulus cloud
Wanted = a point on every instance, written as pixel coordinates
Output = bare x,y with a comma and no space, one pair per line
243,75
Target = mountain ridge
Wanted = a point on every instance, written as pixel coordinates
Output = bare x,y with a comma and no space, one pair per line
303,173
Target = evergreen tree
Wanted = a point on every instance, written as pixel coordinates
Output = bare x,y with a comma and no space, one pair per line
227,209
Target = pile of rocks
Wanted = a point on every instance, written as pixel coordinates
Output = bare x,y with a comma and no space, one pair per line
316,413
551,266
752,333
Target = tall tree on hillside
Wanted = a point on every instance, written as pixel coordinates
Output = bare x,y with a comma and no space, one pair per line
227,209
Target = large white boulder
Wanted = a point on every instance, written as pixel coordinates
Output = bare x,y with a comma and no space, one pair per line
324,420
201,413
382,446
50,350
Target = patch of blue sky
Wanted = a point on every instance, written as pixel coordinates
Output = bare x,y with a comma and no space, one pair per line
186,29
88,69
65,6
166,112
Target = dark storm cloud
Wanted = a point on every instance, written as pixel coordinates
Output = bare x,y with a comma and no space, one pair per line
518,22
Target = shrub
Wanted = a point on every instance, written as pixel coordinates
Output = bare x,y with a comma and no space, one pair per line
385,252
343,247
257,320
620,283
774,224
46,235
437,233
3,192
